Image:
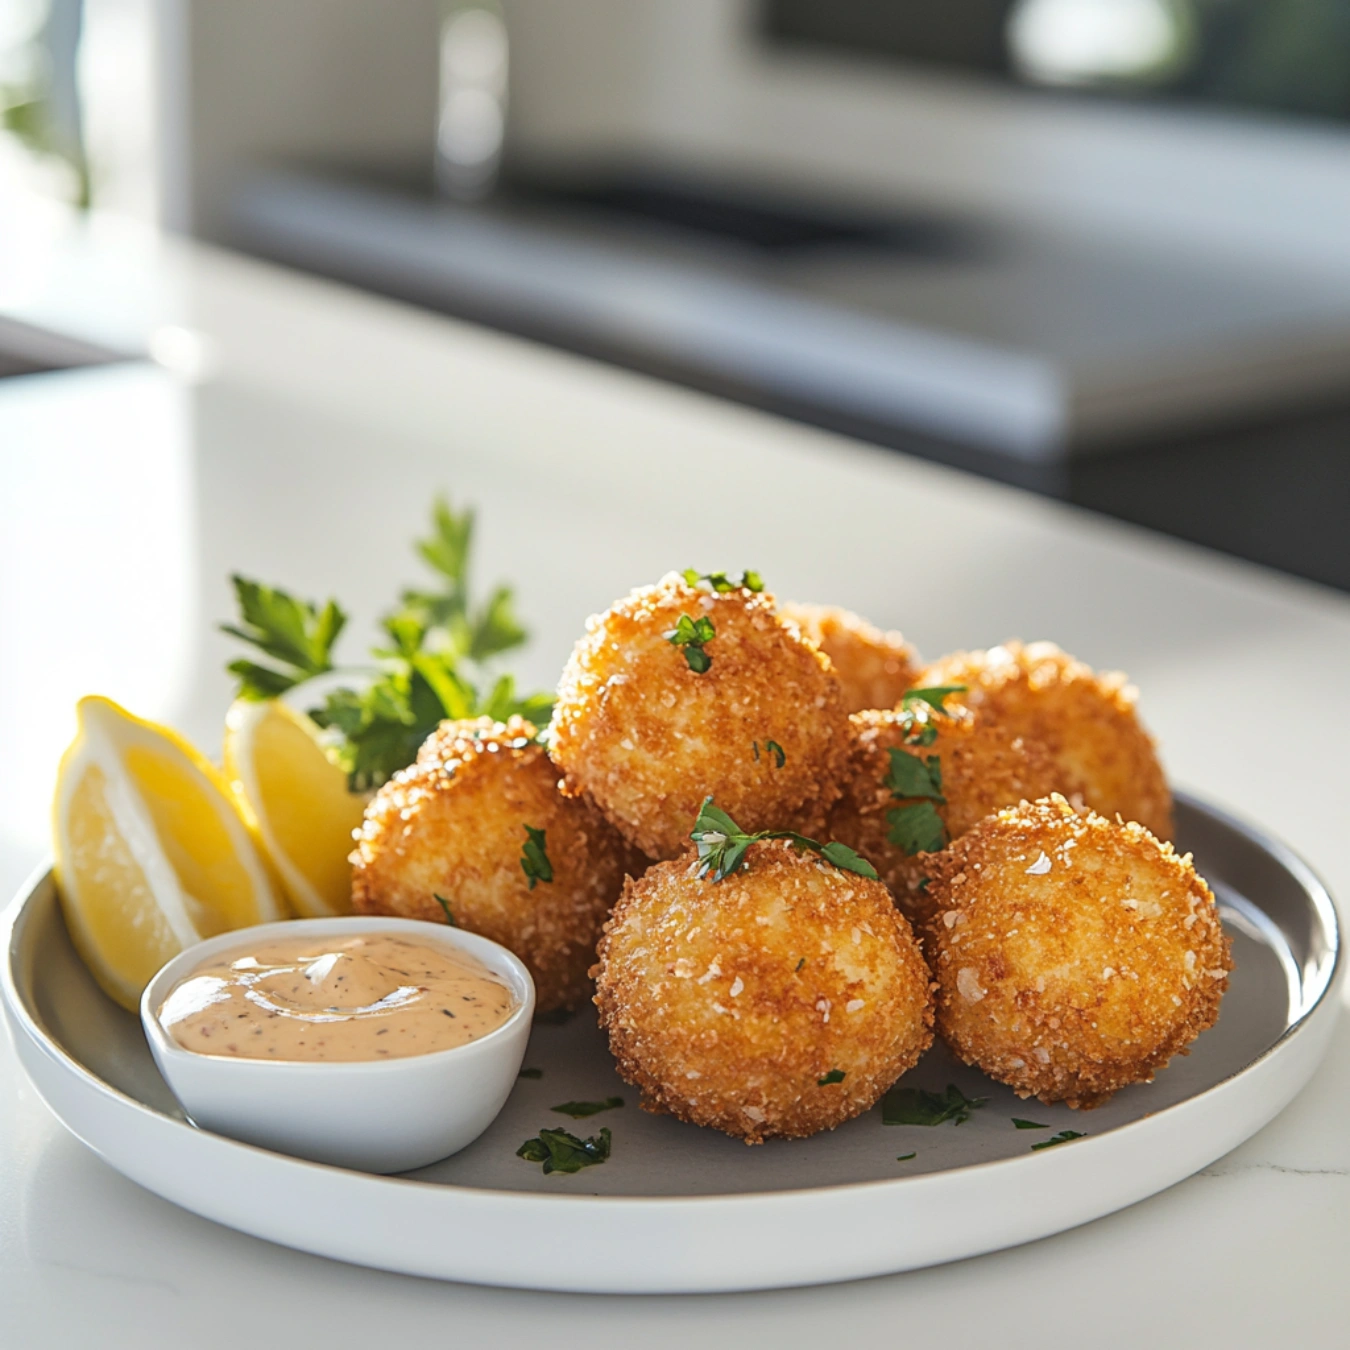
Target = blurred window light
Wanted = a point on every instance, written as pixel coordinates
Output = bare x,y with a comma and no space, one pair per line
1071,42
472,124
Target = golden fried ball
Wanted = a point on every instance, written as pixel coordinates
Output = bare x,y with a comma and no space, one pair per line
647,738
1074,955
874,668
728,1002
1086,720
453,825
981,767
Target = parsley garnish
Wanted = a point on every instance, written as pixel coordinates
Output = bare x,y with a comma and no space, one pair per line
430,666
1063,1137
722,845
721,583
296,633
534,857
916,829
777,751
530,1073
1028,1124
800,964
914,1106
560,1151
834,1076
905,1157
445,905
915,720
910,776
690,635
935,696
580,1110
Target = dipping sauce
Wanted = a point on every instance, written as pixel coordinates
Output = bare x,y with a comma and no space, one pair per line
373,996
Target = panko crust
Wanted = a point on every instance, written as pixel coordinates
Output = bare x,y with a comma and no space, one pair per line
1086,720
647,738
1074,955
875,668
452,824
726,1002
983,766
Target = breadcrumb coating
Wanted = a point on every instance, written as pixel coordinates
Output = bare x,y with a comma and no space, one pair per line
762,729
727,1002
1074,955
875,668
982,766
453,825
1087,721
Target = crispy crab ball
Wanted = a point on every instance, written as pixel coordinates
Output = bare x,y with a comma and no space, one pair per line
679,692
1086,720
919,778
1074,955
479,822
874,668
781,1000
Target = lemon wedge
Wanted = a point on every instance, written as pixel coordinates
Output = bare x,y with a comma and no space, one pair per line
151,853
298,800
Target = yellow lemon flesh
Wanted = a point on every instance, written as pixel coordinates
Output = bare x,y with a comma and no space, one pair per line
299,800
151,852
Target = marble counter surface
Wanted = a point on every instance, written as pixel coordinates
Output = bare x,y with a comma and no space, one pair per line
297,432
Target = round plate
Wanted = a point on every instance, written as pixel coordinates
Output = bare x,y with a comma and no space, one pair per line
677,1208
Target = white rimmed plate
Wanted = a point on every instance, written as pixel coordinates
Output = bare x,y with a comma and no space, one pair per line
682,1209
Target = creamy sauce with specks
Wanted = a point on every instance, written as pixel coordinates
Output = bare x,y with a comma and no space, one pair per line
373,996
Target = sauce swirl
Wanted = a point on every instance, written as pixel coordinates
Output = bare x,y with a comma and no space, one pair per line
368,997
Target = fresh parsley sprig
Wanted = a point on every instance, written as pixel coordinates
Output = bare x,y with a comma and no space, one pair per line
914,1106
690,635
829,1079
722,845
534,857
561,1151
431,664
297,633
721,583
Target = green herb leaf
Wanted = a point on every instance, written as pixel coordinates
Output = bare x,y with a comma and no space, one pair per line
721,583
910,776
580,1110
530,1073
834,1076
935,696
916,829
445,905
905,1157
777,751
534,857
914,1106
560,1151
1063,1137
722,845
800,964
297,633
1028,1124
690,635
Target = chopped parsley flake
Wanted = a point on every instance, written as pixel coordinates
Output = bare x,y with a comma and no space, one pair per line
910,776
530,1073
801,963
445,905
1028,1125
580,1110
916,829
689,635
914,1106
1063,1137
721,583
534,857
777,751
722,845
905,1157
560,1151
834,1076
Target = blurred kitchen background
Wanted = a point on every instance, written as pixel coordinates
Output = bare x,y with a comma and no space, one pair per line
1099,249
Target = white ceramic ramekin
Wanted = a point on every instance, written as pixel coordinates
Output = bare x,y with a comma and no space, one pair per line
373,1115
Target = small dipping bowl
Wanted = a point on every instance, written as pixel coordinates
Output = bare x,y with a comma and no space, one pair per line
384,1115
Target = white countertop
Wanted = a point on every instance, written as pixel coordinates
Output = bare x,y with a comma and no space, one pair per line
297,432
